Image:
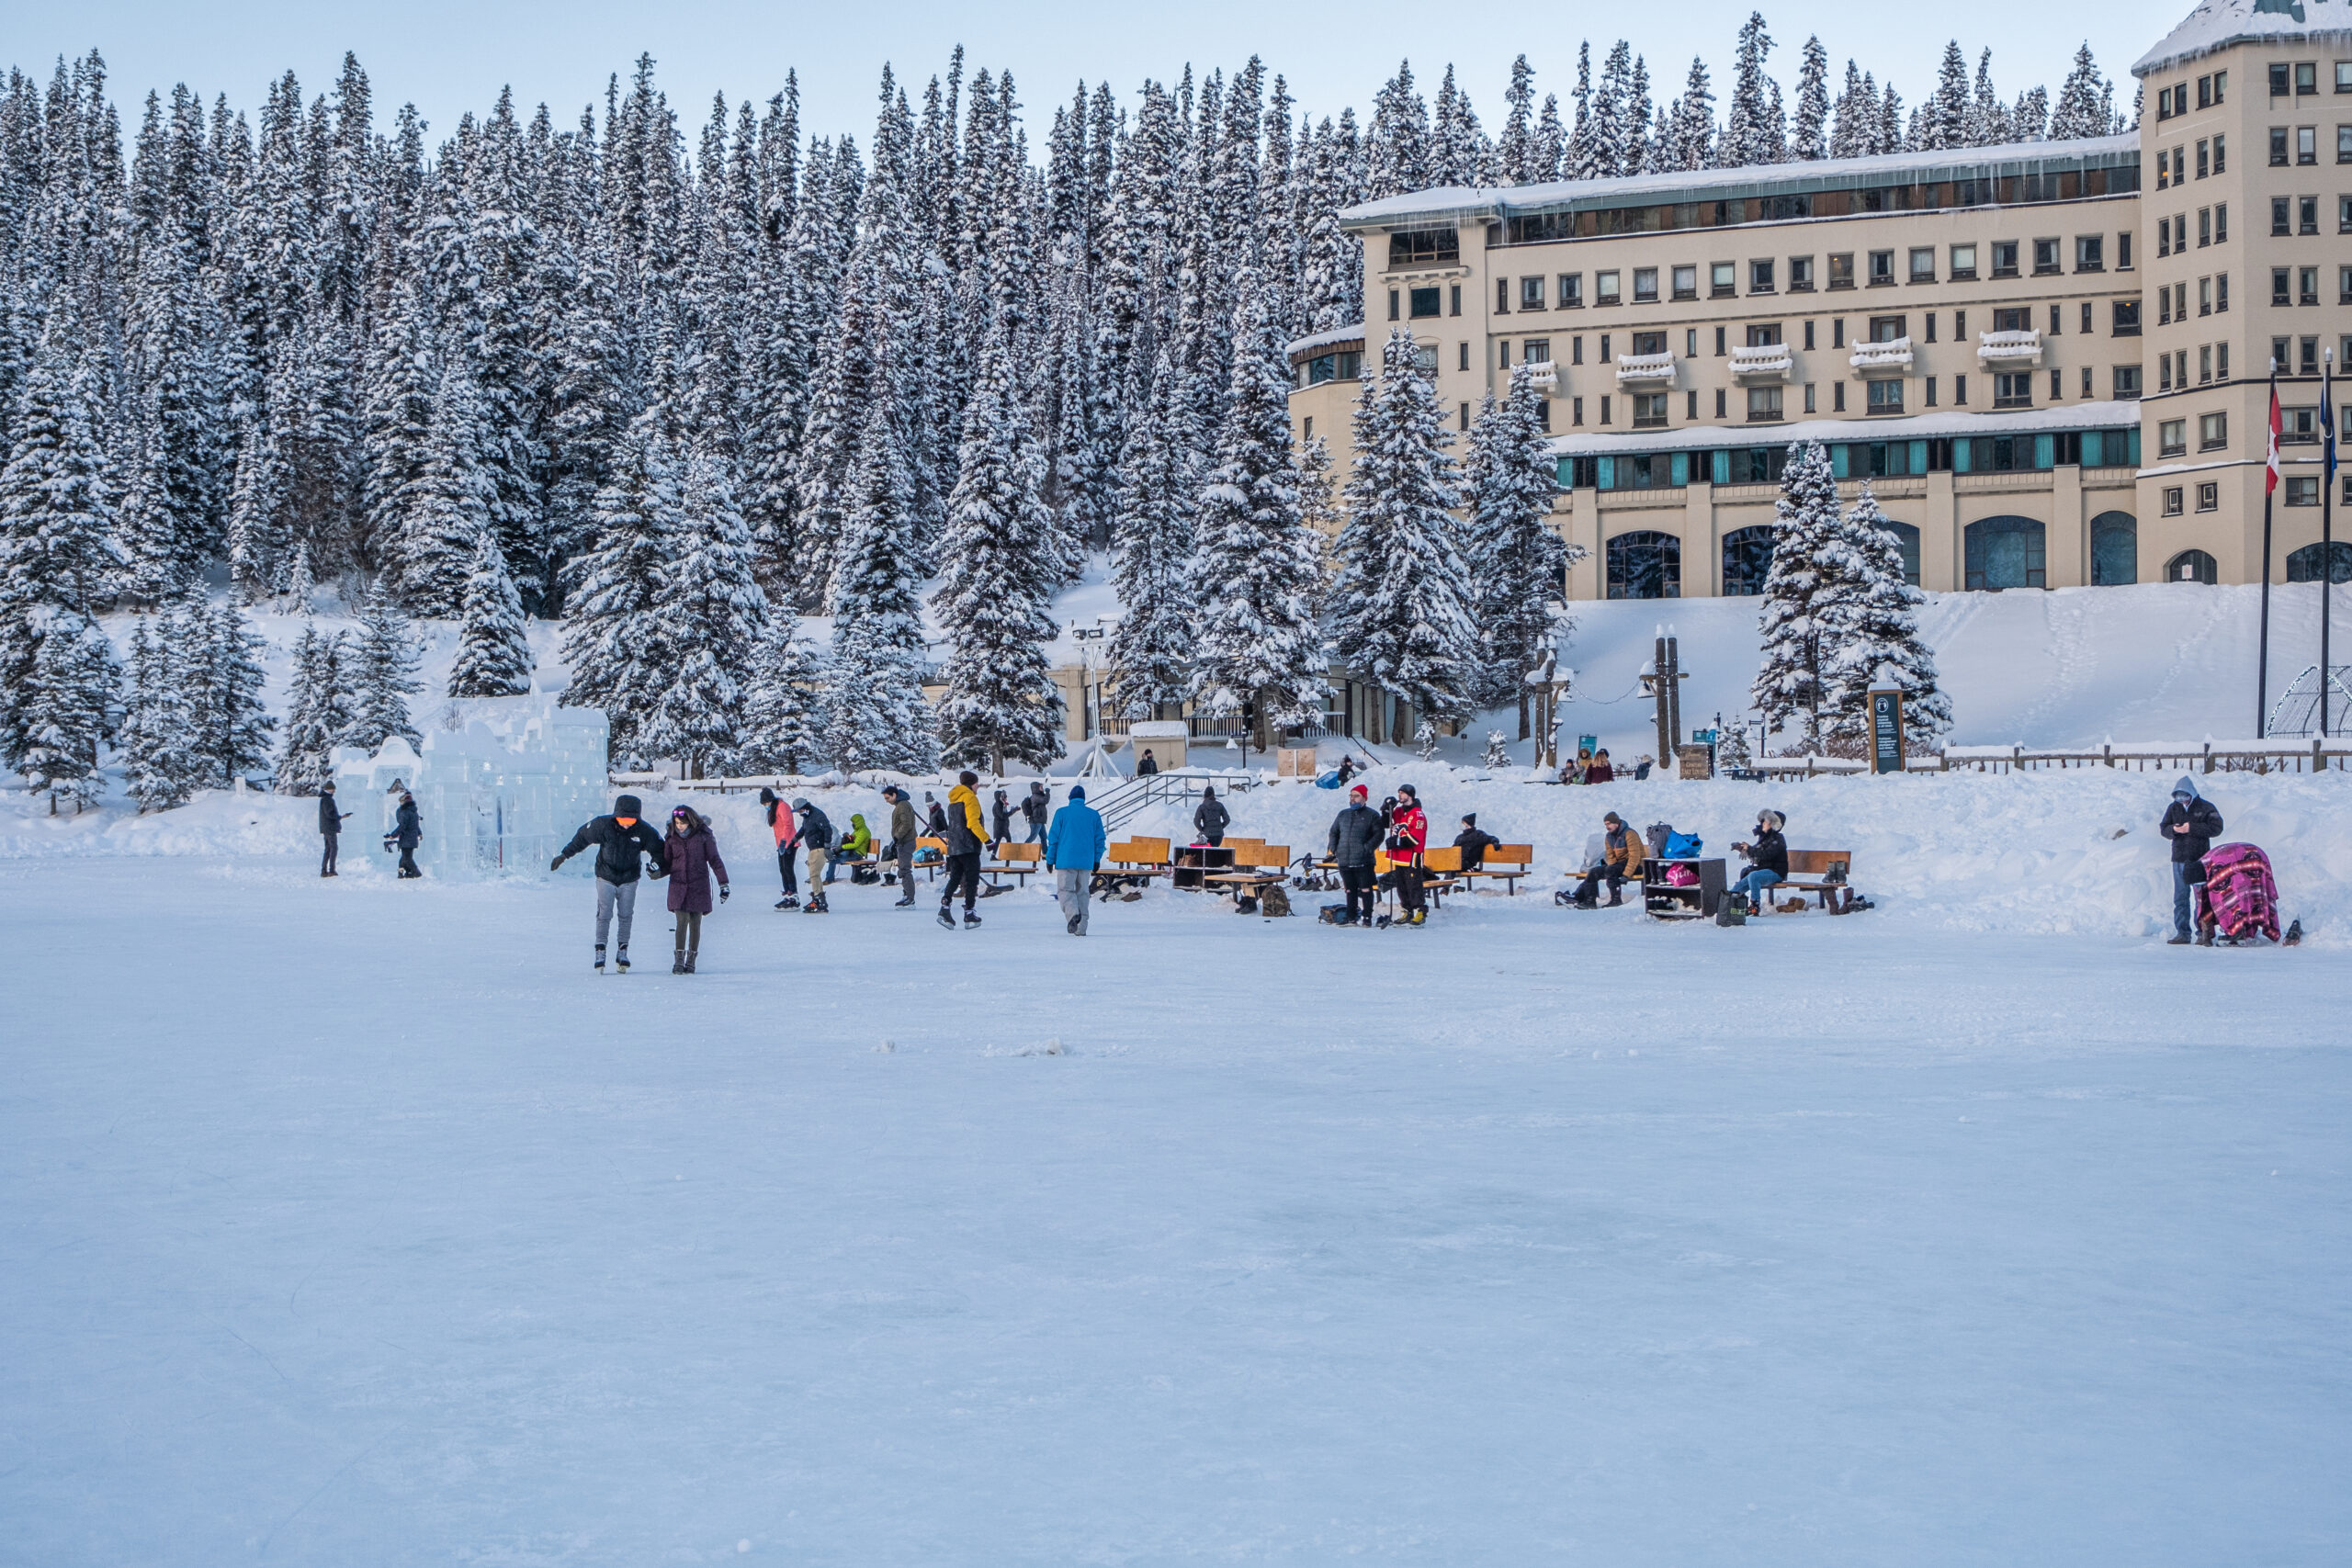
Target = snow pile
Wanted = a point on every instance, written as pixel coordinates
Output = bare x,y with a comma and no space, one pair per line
217,822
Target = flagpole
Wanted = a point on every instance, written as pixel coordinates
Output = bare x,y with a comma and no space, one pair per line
2269,482
2326,528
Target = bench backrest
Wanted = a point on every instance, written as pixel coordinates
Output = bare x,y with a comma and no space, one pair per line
1511,855
1815,862
1138,852
1238,845
939,845
1448,859
1274,856
1014,855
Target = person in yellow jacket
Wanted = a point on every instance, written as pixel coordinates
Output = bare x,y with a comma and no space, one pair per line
965,836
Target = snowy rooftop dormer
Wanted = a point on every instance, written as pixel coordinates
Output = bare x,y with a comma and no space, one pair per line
2217,24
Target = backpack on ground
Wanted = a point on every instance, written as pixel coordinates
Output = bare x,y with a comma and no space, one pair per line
1275,901
1331,914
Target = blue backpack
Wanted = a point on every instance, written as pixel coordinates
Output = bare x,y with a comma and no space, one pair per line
1684,846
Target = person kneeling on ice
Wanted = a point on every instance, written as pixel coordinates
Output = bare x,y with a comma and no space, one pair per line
691,853
619,840
1621,861
1074,846
1768,860
1356,833
966,835
2191,823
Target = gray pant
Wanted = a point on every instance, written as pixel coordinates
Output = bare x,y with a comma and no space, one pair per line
1071,888
904,849
608,894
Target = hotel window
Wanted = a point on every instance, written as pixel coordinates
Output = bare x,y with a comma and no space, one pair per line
1571,290
1838,396
1454,300
1723,279
1420,246
1960,390
2342,78
1536,351
1424,302
1530,293
2306,78
1576,411
2298,426
2090,253
2172,500
2221,361
2057,384
2302,489
1963,263
2127,381
1887,329
1604,287
2279,147
1649,410
1464,355
2004,258
1575,350
2221,155
1686,282
2307,215
2204,226
2089,387
2013,389
2205,365
2344,286
1886,397
2163,236
1424,358
1960,326
1931,326
2204,163
1812,407
1502,297
2221,293
1691,341
1605,355
2344,214
1760,275
2279,80
2307,286
2204,296
1763,405
2344,143
1719,403
2306,144
2281,359
1808,336
1923,263
2172,438
1837,331
2282,286
1881,268
1650,343
1930,400
2212,432
2057,320
2045,258
2208,496
1392,304
2279,221
1645,286
1841,271
1464,417
1800,275
2308,354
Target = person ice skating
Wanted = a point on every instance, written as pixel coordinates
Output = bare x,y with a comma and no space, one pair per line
1037,810
1000,814
1621,861
1074,846
903,833
1408,838
2190,824
692,854
1474,842
815,836
1211,818
781,824
1147,765
966,835
1355,836
1599,771
408,831
331,823
620,839
1768,860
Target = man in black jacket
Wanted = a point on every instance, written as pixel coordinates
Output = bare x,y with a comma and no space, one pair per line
2191,822
1767,859
1211,818
619,840
816,836
408,831
330,825
1474,842
1037,807
1355,835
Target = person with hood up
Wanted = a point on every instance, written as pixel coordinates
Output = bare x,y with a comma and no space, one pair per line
331,823
1211,818
1074,846
966,835
816,836
1621,861
691,852
1409,837
1768,860
2191,823
1355,836
903,842
408,831
1001,810
781,824
1037,807
1474,842
860,841
619,839
1147,765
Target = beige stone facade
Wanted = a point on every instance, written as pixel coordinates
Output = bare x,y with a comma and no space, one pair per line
2048,359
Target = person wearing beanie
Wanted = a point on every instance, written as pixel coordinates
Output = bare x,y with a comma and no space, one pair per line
1621,861
966,834
331,823
1074,846
2190,824
903,842
1355,835
619,839
816,836
1408,839
1473,844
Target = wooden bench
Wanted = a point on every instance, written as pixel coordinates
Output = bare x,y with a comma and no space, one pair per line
1808,873
1019,862
1519,857
1135,861
1254,866
938,848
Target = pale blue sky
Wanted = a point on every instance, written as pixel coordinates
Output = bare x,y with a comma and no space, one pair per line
447,57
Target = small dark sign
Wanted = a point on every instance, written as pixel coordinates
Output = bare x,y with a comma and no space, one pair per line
1886,732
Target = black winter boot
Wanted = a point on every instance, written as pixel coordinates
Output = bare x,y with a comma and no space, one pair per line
678,962
691,955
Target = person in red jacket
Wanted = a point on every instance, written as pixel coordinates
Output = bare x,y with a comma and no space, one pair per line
1409,836
780,823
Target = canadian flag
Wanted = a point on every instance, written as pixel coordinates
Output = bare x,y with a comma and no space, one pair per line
2270,479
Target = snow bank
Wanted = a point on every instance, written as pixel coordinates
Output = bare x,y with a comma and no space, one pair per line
217,822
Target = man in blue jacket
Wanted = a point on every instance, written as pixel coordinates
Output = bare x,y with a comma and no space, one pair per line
1074,847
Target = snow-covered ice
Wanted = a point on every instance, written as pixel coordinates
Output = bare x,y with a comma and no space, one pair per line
357,1222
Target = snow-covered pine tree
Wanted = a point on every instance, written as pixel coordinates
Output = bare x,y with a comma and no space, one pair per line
1516,146
229,726
1807,525
1403,616
494,656
257,537
152,747
713,613
611,641
68,706
2086,102
318,712
1151,555
1874,625
1425,740
875,712
1944,117
1260,647
1693,134
1497,752
1809,136
449,505
1751,129
998,559
383,675
784,720
1518,562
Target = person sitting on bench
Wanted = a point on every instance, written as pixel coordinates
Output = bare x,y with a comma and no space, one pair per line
1767,859
1473,844
1621,861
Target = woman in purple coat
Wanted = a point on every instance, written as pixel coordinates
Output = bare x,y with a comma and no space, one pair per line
693,860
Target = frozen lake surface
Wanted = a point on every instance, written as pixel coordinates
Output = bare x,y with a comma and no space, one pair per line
357,1223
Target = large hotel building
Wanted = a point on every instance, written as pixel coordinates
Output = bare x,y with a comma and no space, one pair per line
2049,360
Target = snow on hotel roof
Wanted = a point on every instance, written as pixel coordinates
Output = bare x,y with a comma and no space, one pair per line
1462,204
2080,416
2217,24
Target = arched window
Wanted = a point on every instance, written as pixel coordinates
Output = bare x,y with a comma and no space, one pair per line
2302,566
2006,552
2115,548
2191,566
1646,564
1748,558
1909,537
